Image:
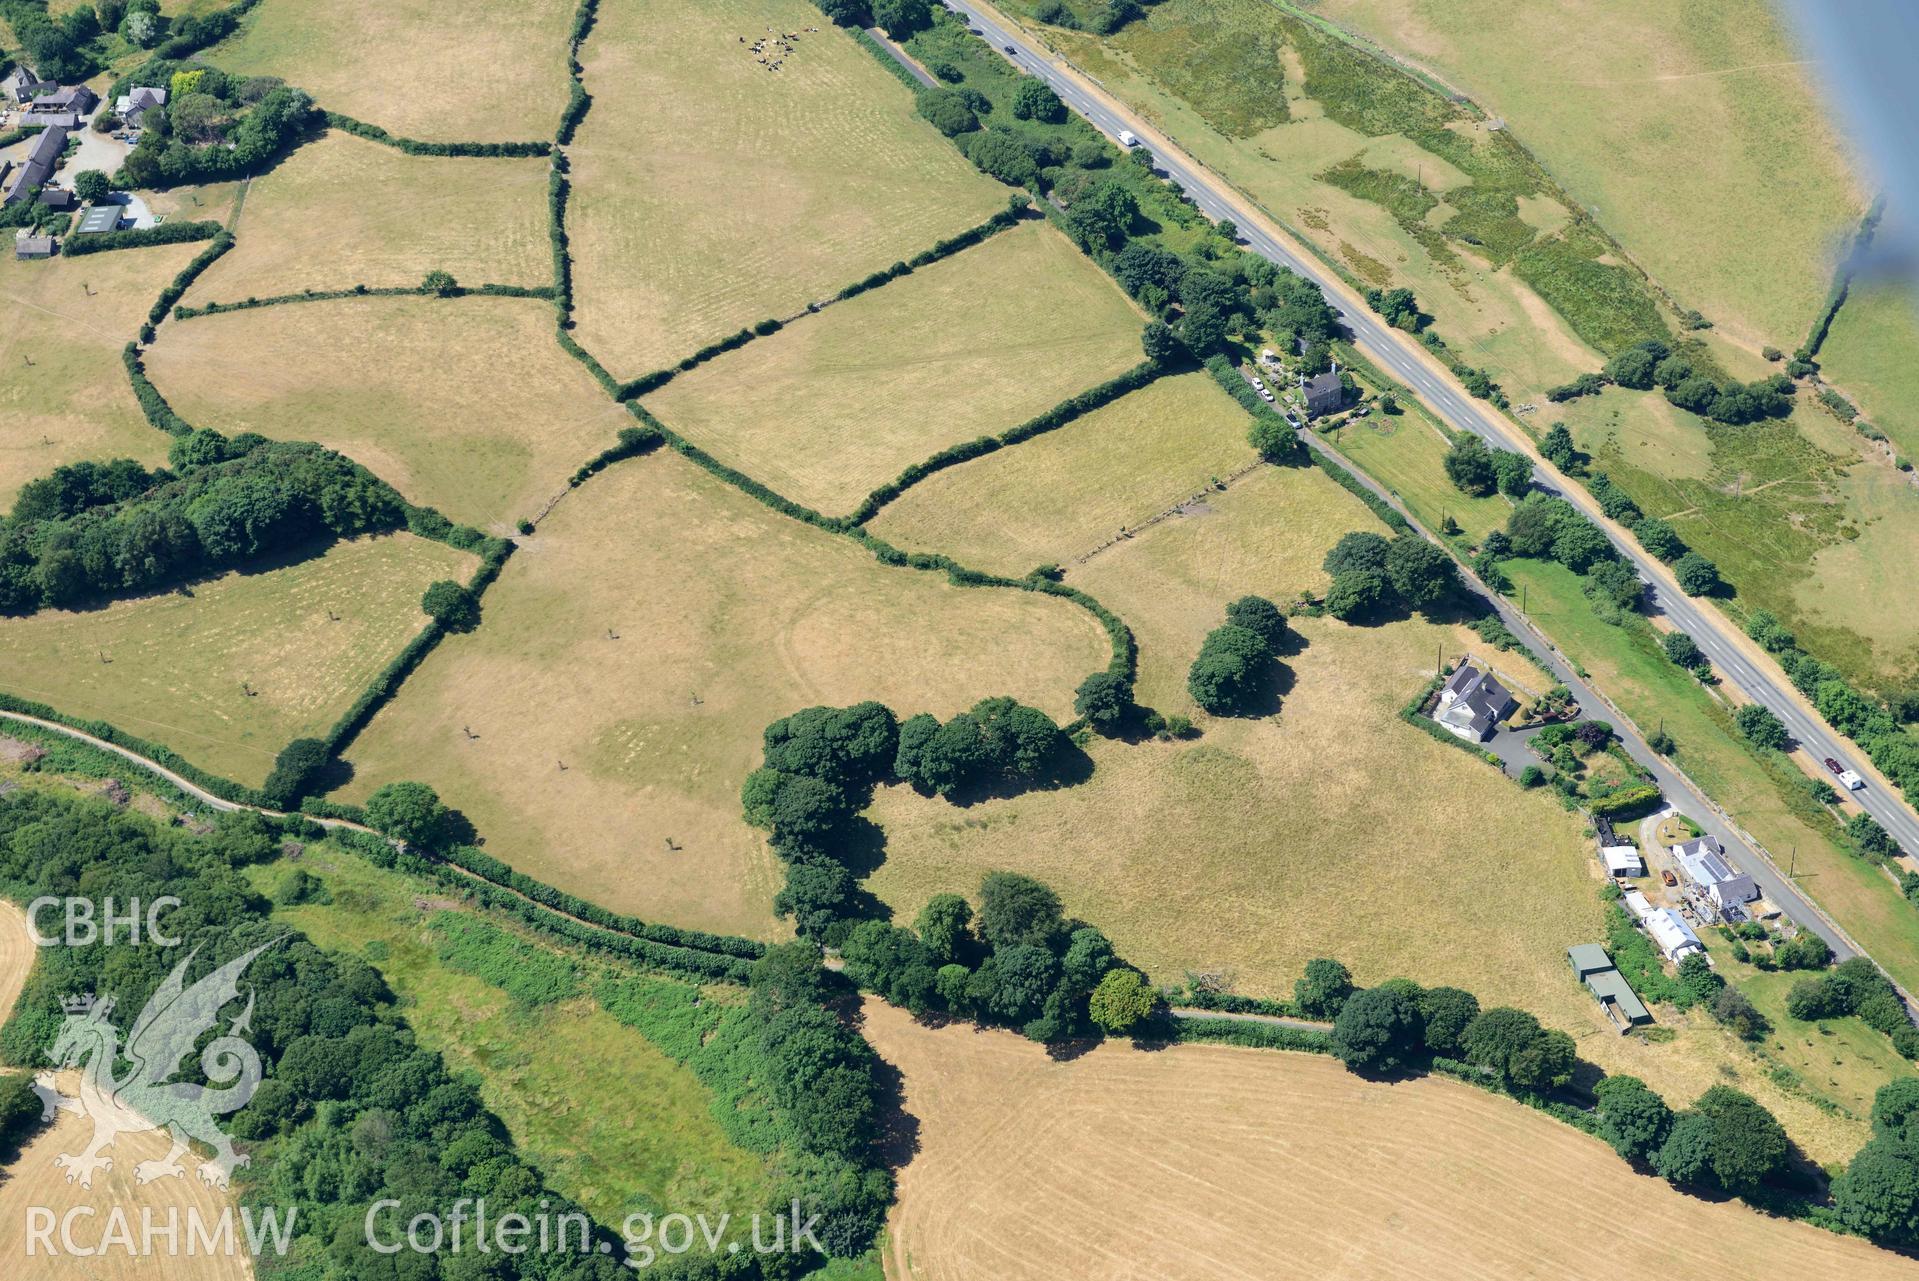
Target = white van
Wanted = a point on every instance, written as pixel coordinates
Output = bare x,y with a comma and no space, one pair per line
1128,139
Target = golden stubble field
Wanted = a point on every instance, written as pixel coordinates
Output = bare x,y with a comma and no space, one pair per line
1060,495
1255,1165
309,223
64,396
488,72
175,668
33,1181
16,956
633,651
710,193
463,404
838,404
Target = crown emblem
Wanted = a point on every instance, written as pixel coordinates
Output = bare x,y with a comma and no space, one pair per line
82,1003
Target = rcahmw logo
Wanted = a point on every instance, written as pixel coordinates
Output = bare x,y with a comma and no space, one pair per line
84,1232
143,1098
86,925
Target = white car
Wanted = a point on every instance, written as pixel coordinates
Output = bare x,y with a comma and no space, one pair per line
1265,395
1851,779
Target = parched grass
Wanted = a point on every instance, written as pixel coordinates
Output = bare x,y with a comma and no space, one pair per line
1060,495
1861,584
464,404
1616,100
1266,535
494,71
710,193
634,650
1873,352
1368,1177
63,394
1775,495
836,405
1405,453
604,1114
176,668
343,211
1268,842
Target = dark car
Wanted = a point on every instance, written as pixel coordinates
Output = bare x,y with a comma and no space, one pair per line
1835,766
1011,48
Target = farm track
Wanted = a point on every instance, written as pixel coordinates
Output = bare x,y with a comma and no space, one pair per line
333,824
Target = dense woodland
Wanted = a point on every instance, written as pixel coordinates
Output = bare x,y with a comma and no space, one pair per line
90,531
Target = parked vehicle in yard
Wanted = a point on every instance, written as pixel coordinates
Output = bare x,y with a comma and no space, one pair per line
1668,877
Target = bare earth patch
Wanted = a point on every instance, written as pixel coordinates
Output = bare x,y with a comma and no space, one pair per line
1253,1165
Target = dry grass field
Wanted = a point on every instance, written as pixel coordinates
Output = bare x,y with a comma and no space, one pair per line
1404,453
1615,100
711,193
463,404
63,394
563,1077
488,72
836,405
1267,535
174,665
1060,495
1872,353
34,1182
1252,1165
1327,830
634,650
309,224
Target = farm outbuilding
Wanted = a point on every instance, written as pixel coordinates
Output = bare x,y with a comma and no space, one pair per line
1622,860
33,247
1670,932
97,219
1608,986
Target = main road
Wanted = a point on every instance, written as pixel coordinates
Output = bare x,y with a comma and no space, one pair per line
1738,661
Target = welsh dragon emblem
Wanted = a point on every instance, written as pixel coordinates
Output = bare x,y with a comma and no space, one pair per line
144,1099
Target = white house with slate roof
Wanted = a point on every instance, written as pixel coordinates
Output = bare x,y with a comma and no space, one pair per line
1703,863
1472,702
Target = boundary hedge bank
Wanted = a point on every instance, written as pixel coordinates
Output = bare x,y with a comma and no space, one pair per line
415,147
366,291
1007,217
167,233
1067,411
